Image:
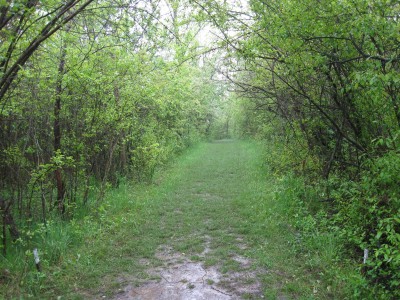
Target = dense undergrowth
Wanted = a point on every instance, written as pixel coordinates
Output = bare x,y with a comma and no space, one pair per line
295,229
320,79
350,225
95,95
274,211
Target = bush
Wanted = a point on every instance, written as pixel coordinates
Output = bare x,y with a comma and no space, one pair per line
369,218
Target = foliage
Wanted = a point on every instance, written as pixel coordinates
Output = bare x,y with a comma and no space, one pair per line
96,93
368,218
324,76
89,256
99,101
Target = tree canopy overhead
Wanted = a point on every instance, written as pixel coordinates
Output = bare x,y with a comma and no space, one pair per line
93,91
96,92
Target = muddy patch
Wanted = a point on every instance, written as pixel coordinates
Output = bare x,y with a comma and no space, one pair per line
181,278
186,281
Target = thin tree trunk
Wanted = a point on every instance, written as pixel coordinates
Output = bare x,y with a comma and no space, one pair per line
43,205
4,232
57,130
107,169
8,220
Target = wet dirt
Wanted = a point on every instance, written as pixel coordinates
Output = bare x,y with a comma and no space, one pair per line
182,278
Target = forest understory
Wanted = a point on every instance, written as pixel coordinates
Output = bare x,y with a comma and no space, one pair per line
212,226
105,105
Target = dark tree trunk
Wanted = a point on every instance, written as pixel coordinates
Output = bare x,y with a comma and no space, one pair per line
57,131
8,220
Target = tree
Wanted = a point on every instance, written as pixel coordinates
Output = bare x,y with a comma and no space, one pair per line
329,72
21,20
99,100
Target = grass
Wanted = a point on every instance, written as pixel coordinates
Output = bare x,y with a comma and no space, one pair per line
216,196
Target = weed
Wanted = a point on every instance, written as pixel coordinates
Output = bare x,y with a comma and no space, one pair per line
210,281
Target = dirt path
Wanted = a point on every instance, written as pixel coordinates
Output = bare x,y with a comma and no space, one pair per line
182,278
203,251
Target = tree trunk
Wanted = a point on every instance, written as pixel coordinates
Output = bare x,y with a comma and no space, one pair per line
57,130
113,145
8,220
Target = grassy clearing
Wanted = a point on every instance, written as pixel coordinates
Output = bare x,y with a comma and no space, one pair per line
216,196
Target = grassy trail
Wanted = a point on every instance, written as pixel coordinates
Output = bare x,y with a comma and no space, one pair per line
214,206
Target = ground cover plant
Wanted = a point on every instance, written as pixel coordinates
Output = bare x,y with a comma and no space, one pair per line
217,197
98,98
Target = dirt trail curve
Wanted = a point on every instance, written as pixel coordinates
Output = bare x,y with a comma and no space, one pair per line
205,252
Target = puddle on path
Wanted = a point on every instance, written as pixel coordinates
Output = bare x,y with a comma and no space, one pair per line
184,279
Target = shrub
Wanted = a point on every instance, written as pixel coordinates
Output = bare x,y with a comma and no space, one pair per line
369,218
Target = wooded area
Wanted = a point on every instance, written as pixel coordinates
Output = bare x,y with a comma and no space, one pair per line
326,75
95,93
90,94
